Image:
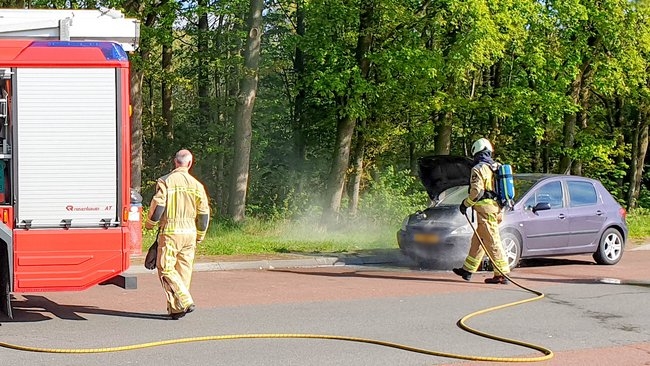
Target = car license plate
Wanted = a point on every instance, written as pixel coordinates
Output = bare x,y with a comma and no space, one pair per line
426,238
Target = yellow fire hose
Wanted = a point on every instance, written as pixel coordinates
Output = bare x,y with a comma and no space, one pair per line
547,353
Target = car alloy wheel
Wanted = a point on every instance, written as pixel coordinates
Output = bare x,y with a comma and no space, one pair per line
511,248
610,249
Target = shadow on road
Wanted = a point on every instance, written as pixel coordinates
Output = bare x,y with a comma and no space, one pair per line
361,274
382,264
39,308
522,278
394,258
547,262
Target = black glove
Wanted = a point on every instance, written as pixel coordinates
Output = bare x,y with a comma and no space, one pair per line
152,256
463,209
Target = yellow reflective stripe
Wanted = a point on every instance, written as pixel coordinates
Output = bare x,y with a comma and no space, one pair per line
183,189
173,230
484,202
172,202
470,202
175,193
503,266
186,190
488,183
471,264
151,222
172,282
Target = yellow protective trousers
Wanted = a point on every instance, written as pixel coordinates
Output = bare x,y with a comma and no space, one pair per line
175,263
488,229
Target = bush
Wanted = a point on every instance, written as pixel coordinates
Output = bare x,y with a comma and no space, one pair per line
638,223
392,197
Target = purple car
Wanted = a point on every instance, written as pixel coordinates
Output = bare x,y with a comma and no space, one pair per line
553,215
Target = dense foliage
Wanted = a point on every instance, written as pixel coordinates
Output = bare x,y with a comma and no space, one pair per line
557,85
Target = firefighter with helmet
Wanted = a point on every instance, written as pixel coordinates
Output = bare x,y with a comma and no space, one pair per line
488,213
180,206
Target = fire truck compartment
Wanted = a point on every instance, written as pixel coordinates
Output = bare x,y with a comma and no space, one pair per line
62,260
66,147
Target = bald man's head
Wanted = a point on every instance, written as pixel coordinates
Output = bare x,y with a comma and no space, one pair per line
183,158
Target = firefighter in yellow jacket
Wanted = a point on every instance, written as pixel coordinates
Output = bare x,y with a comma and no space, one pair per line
180,207
488,213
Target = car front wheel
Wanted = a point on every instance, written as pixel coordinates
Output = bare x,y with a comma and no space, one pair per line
511,248
610,249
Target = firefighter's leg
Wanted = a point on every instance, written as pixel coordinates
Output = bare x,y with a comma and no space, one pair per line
178,297
185,260
492,240
474,256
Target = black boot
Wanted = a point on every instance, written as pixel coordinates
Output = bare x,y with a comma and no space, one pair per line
497,280
465,274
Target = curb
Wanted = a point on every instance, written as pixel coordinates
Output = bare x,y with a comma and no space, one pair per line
644,246
387,258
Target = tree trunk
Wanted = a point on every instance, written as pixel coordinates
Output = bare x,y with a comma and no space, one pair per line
150,104
244,113
137,76
443,134
545,146
218,170
137,105
298,130
346,124
340,159
413,161
582,118
577,86
166,91
569,130
639,151
619,126
220,195
137,109
357,169
495,75
203,66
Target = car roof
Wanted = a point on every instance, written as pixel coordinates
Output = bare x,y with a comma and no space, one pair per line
544,176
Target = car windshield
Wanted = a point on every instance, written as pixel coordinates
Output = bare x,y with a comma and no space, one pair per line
455,195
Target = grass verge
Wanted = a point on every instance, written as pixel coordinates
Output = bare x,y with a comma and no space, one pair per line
273,237
638,223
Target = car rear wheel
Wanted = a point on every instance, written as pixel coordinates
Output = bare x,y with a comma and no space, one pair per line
610,249
511,248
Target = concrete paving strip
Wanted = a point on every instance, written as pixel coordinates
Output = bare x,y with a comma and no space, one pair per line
221,264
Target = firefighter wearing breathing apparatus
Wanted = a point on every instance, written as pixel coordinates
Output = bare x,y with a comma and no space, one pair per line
482,200
180,206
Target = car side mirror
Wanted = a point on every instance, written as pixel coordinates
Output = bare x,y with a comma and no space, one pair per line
542,206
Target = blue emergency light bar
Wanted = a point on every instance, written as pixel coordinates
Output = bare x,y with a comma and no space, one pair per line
112,51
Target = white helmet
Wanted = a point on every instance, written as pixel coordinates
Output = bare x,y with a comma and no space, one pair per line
480,145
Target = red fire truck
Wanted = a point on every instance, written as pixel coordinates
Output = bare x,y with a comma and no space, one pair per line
68,220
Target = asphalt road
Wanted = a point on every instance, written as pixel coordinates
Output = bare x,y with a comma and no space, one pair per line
591,315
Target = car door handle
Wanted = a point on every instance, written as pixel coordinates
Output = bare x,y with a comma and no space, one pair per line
561,216
599,213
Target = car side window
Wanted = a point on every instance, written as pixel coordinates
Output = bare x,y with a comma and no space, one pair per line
550,193
582,194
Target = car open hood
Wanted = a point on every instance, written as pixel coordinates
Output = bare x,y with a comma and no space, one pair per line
441,172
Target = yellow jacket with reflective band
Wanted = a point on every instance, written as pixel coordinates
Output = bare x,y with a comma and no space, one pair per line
184,198
480,181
